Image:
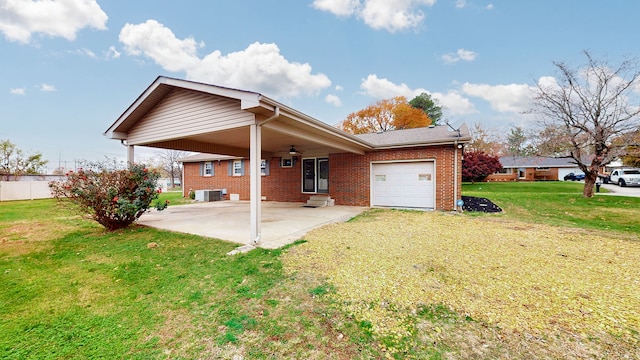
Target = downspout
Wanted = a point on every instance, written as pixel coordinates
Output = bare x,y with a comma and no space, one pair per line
275,115
455,176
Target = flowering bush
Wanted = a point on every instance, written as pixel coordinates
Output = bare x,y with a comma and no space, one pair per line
115,198
192,194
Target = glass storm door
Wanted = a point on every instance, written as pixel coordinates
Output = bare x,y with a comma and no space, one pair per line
309,175
323,175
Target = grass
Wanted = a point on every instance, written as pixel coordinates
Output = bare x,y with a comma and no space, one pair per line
174,197
438,285
554,276
72,290
560,203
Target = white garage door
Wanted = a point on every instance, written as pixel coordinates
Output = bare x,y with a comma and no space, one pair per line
403,184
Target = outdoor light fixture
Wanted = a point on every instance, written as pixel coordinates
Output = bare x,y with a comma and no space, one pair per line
293,150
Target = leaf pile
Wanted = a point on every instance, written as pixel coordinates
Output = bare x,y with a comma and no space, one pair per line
527,279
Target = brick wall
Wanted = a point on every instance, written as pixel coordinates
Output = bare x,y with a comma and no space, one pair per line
350,174
349,177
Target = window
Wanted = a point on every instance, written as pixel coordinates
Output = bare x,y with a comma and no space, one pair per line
286,162
505,171
206,168
237,168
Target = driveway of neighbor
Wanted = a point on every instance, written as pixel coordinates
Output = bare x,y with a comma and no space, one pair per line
621,191
282,223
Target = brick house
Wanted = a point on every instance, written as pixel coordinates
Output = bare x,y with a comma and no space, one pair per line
533,168
296,155
346,178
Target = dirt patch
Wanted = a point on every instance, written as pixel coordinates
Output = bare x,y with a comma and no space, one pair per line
22,237
539,290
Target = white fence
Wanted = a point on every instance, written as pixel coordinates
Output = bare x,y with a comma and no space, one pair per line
24,190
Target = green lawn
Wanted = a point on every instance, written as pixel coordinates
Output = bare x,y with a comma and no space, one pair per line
72,290
560,203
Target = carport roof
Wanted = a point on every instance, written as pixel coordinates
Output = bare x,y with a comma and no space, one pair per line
290,122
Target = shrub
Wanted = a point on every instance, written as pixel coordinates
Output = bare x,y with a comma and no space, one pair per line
477,165
115,198
192,194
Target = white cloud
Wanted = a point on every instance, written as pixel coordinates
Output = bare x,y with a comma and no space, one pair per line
112,53
46,87
490,7
259,67
461,54
379,14
454,103
460,4
86,52
18,91
338,7
383,88
339,88
20,19
514,98
333,99
379,89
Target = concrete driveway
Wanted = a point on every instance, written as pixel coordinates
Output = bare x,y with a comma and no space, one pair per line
282,223
621,191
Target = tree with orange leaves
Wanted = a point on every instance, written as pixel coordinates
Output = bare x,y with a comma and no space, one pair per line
385,115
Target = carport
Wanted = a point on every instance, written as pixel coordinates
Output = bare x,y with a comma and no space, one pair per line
191,116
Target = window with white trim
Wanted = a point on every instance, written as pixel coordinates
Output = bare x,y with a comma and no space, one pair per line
237,168
208,169
264,170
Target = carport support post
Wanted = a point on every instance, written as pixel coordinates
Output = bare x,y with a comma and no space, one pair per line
255,185
130,155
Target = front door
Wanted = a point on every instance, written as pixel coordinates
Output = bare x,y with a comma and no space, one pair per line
323,176
315,175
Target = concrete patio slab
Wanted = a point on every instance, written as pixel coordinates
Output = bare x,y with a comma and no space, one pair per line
282,223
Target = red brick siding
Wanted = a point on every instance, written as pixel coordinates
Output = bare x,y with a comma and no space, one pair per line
349,177
350,174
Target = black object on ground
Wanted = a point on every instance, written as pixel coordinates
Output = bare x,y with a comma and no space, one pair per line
472,203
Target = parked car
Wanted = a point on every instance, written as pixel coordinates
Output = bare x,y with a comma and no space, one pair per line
573,177
624,177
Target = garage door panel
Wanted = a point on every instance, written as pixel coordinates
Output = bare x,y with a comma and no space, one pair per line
403,184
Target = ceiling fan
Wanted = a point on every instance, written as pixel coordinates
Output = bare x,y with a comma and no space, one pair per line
293,151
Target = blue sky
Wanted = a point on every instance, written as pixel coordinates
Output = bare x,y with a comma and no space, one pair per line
69,68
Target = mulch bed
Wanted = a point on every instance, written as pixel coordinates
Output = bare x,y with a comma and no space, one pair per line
472,203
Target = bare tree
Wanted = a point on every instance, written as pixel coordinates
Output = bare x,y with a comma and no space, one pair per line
170,164
592,105
485,140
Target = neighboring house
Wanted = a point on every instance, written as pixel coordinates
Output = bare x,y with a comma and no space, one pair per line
533,168
296,155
